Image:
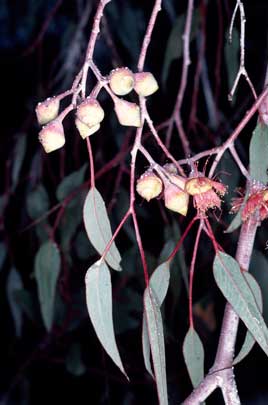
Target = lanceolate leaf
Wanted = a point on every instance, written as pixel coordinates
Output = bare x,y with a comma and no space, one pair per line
47,268
70,183
14,284
193,353
258,152
236,222
98,227
249,339
18,158
99,305
236,290
153,328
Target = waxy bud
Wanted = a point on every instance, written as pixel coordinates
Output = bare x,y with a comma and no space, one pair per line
178,180
145,84
149,186
47,110
85,130
52,136
127,113
90,112
121,81
175,199
198,185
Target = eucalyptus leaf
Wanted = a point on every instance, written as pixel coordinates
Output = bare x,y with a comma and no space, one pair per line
98,227
37,202
249,339
258,154
236,290
18,158
174,47
193,353
14,283
71,183
152,330
47,269
235,223
99,305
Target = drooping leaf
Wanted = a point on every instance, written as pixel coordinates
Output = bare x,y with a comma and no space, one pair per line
152,332
234,287
249,339
25,302
174,47
99,305
14,283
98,227
235,224
259,269
258,154
231,53
70,183
193,353
47,269
37,202
18,158
74,362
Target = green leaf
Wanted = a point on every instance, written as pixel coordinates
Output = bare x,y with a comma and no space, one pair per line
37,202
152,331
258,154
193,353
235,224
47,269
14,283
74,362
71,183
231,53
236,290
249,339
99,305
175,44
18,158
98,227
259,269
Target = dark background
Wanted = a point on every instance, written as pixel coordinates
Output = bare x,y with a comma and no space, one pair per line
42,48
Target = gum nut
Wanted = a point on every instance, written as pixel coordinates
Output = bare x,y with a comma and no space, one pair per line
52,136
149,186
84,130
47,110
90,112
127,113
198,185
121,81
175,200
145,84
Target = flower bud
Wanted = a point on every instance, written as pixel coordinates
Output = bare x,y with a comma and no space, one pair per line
170,168
178,180
176,200
90,112
85,130
121,81
145,84
198,185
47,110
149,186
52,136
127,113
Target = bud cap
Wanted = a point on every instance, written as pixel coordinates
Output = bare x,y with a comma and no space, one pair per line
90,112
47,110
128,114
52,136
145,84
121,81
149,186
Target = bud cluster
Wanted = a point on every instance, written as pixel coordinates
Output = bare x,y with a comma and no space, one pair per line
177,190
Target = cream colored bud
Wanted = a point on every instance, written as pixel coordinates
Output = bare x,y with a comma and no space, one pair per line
127,113
47,110
84,130
176,200
121,81
198,185
149,186
90,112
52,136
145,84
265,195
